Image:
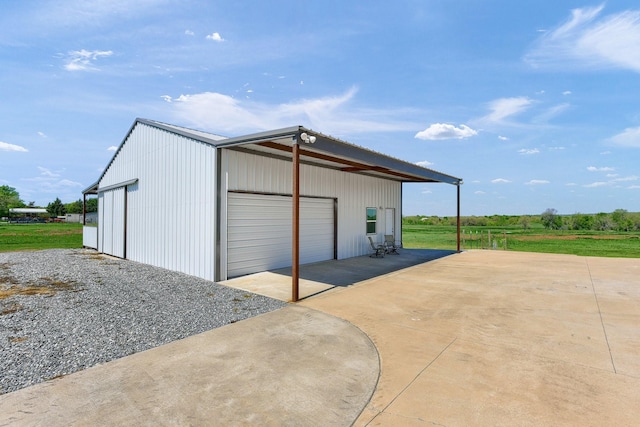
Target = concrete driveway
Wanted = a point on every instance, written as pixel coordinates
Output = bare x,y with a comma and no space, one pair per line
501,338
477,338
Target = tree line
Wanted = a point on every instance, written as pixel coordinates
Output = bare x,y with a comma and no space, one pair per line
618,220
10,198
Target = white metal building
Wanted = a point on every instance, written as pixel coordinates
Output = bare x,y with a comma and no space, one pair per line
217,207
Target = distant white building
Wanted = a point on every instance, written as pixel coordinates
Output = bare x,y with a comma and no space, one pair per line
73,218
33,211
217,207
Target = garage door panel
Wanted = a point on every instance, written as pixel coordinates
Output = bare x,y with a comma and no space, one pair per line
259,232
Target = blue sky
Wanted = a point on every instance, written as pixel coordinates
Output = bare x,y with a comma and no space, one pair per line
534,104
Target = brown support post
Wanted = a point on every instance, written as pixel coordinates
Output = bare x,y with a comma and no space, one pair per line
295,261
458,185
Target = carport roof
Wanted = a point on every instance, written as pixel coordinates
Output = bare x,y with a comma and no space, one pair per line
326,151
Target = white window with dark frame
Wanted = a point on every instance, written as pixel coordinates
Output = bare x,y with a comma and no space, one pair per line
372,219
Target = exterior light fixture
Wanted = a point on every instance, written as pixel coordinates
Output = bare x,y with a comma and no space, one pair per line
309,139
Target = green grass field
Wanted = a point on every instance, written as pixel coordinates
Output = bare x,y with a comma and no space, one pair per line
24,237
28,237
586,243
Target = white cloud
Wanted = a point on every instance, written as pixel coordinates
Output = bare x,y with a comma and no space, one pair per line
537,182
82,60
167,98
216,37
506,107
479,192
189,33
566,92
73,14
47,172
630,137
333,114
590,39
68,183
426,191
556,148
112,148
439,131
5,146
552,112
625,179
502,138
424,163
529,151
571,184
633,187
42,135
600,169
500,181
613,181
597,184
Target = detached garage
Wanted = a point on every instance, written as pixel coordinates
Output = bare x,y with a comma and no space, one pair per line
217,207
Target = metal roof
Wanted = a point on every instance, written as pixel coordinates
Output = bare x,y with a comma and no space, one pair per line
326,151
27,210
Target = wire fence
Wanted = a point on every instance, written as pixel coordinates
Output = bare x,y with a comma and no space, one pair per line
484,240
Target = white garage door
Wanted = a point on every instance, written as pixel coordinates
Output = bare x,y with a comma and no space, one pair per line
259,232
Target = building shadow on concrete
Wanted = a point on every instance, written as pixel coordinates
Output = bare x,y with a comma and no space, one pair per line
346,272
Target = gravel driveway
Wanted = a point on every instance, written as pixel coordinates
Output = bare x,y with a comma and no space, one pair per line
62,311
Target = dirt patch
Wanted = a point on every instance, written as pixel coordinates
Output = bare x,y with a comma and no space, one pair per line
11,308
5,274
63,233
45,286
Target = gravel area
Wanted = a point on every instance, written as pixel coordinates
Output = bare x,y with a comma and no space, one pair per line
62,311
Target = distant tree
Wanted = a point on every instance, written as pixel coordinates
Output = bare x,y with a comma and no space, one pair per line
31,205
551,220
9,198
525,221
74,207
92,205
603,222
581,222
56,208
634,220
622,220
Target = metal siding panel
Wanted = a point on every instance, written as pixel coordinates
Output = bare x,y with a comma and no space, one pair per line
100,222
90,236
107,221
113,222
119,221
168,223
354,193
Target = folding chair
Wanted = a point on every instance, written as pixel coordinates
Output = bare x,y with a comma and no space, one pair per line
378,250
390,246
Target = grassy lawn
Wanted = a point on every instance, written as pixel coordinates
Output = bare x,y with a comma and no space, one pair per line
28,237
587,243
24,237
